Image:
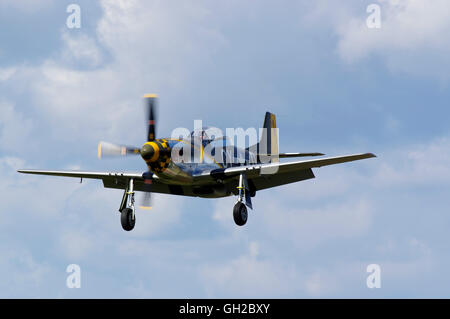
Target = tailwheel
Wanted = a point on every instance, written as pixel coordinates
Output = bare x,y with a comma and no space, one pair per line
240,214
128,219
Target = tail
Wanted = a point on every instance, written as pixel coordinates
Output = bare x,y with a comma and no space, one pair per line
267,148
268,143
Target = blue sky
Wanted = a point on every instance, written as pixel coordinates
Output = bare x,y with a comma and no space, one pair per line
336,87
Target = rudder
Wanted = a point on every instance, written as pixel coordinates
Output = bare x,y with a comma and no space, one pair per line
268,144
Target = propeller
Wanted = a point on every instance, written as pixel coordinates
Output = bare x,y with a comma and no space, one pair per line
148,182
151,152
150,103
150,100
106,149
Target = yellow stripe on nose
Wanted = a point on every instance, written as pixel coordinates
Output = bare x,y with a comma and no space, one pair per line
156,151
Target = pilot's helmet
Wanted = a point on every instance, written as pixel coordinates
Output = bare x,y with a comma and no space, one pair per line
200,133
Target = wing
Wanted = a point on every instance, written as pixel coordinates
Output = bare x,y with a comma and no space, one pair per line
120,180
110,179
81,174
264,176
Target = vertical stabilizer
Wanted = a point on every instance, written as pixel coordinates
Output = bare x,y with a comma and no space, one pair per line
268,144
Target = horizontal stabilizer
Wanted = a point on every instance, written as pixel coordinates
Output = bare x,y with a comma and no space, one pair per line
287,155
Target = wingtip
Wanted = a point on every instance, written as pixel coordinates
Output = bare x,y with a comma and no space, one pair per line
25,171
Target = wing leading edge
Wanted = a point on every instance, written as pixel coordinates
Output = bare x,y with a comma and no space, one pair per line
276,168
81,174
120,180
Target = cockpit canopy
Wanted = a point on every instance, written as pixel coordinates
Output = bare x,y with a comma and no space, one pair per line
201,133
207,135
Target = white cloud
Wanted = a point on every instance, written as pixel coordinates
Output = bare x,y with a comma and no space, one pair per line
304,228
80,48
248,276
414,165
411,38
22,276
6,73
151,47
10,163
318,284
406,25
21,193
15,128
76,244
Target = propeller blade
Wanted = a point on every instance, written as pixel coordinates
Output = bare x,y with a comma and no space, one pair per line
146,201
148,181
150,101
106,149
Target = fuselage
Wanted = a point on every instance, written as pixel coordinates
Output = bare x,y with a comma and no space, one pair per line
179,160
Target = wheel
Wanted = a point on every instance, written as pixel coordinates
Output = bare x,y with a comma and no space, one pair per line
240,214
126,218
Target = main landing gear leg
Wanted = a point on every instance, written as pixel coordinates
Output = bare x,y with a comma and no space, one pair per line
127,216
240,214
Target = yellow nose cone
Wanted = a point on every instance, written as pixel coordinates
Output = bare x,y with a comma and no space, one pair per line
150,152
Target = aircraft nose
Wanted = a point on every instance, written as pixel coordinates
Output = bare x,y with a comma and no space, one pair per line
148,152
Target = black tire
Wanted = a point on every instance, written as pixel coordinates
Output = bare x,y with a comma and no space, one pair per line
126,218
240,214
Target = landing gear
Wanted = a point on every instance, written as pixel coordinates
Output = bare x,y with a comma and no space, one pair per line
127,219
127,216
240,214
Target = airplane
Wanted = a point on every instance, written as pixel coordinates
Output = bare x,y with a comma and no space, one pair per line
181,166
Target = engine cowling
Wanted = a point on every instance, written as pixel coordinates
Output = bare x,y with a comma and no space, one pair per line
156,154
